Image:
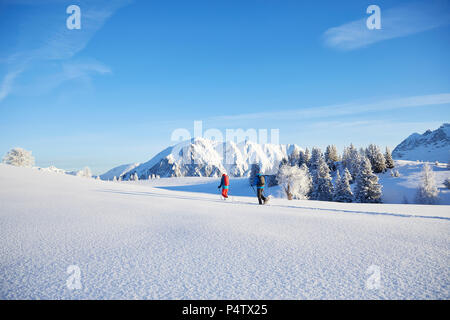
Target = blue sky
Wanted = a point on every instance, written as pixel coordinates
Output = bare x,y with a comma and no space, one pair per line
114,91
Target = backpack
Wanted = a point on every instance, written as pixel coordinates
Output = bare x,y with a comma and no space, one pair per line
261,181
226,180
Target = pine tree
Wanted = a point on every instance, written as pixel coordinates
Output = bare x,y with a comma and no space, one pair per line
342,190
427,193
322,182
331,157
294,157
114,179
376,158
388,157
301,158
316,157
307,157
351,159
19,157
367,190
348,176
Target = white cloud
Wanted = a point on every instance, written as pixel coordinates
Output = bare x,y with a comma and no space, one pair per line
395,22
7,83
345,109
60,44
81,71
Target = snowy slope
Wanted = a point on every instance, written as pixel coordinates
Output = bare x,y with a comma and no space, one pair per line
403,189
206,158
397,190
132,240
430,146
118,171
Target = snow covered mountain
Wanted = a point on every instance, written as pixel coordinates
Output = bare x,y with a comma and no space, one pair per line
118,171
430,146
206,158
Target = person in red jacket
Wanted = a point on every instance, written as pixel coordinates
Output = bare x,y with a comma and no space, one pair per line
224,184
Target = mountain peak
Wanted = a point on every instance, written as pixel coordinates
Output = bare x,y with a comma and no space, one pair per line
208,158
429,146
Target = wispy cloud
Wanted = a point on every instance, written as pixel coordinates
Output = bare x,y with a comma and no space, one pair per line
345,109
61,44
7,83
395,22
81,71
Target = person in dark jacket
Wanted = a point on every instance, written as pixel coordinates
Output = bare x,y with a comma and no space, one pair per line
224,184
260,183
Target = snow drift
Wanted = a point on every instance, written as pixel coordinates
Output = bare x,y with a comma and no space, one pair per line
132,240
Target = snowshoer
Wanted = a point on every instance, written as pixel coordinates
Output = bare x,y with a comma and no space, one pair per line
260,182
224,184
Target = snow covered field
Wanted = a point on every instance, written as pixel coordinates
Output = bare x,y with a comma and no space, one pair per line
175,239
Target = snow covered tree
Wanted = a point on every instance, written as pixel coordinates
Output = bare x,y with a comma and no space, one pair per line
19,157
376,158
347,175
307,157
367,189
303,157
427,193
136,177
316,157
322,182
351,159
362,152
388,157
114,179
295,181
447,183
331,157
294,157
342,190
85,173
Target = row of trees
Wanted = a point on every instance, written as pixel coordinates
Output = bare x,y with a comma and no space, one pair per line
135,177
306,175
351,158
